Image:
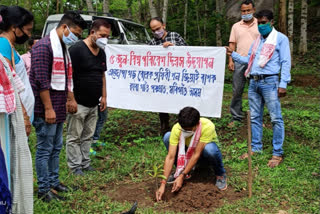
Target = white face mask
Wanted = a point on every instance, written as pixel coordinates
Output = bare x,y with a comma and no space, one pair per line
102,42
187,133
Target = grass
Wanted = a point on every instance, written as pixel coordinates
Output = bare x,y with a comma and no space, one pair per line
133,145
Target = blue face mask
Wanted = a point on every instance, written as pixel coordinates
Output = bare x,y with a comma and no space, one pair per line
247,17
70,39
264,29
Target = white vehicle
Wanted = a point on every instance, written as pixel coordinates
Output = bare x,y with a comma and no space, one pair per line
122,31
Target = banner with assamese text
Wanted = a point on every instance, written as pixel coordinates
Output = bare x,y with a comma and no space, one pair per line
158,79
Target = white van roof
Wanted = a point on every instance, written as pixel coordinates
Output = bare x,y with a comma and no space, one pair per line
57,17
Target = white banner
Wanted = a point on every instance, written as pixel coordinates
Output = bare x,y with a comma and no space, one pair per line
157,79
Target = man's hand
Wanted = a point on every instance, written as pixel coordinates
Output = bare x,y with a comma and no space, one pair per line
231,65
103,104
160,192
72,106
177,184
50,115
27,125
229,50
167,44
282,92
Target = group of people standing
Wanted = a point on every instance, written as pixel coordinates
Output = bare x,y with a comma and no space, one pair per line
46,87
66,82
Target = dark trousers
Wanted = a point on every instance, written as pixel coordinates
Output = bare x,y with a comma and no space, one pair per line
164,122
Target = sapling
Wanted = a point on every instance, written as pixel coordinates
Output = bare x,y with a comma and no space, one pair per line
156,173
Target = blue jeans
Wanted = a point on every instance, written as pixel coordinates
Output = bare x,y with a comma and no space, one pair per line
211,154
102,117
49,145
262,92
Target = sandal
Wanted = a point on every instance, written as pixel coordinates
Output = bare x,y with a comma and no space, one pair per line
245,155
275,161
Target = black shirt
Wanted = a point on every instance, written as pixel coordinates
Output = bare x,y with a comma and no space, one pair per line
88,71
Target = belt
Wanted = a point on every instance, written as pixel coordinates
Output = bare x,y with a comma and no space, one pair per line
262,76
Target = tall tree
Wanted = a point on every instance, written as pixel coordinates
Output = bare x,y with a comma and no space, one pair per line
57,7
48,7
185,19
290,23
153,10
105,6
283,16
303,33
165,11
219,4
129,4
205,2
198,22
90,7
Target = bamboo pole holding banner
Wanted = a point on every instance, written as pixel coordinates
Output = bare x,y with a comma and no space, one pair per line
249,154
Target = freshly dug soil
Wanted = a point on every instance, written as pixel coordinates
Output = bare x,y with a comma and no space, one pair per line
199,194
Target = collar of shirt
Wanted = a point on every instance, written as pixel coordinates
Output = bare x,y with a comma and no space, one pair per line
255,22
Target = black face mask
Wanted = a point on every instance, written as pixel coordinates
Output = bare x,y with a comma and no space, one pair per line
21,39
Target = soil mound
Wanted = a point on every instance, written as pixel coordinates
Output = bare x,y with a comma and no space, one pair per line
198,194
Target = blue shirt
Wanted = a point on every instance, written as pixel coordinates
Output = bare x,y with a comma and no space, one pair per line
5,50
280,60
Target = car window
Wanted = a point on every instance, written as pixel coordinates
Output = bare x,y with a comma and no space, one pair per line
135,33
52,25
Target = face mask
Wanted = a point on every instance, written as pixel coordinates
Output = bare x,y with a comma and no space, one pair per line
102,42
247,17
158,34
21,39
69,40
264,29
187,133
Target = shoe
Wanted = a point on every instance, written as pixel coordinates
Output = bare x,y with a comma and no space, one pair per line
48,196
171,178
61,188
221,182
78,172
89,169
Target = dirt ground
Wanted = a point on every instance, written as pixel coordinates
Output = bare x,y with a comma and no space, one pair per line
198,194
306,81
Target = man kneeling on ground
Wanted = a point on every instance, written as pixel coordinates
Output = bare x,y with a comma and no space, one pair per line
191,139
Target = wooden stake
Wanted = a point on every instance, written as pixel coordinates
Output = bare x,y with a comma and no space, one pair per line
249,155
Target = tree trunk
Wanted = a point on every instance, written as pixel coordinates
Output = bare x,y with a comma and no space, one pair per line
57,7
205,2
90,7
218,27
165,11
290,24
153,10
48,6
105,6
303,33
129,3
198,25
283,16
185,19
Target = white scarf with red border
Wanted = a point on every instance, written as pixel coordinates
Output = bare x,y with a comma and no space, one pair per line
183,158
58,75
266,52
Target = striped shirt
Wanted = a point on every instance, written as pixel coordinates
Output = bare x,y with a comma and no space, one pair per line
172,37
40,79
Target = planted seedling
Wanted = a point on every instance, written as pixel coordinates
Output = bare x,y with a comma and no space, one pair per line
156,173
